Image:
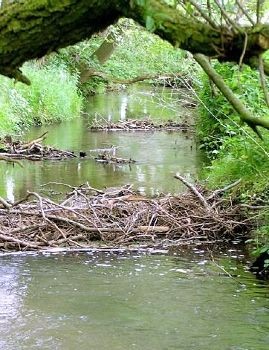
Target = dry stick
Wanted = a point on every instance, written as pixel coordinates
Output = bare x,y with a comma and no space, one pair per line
201,198
263,80
18,241
225,271
21,200
72,210
243,51
13,156
245,12
204,14
27,228
65,208
226,188
5,203
258,5
30,143
43,213
227,18
8,159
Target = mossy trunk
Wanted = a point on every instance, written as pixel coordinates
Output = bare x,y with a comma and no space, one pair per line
31,29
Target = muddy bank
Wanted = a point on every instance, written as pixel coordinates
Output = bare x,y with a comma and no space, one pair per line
120,217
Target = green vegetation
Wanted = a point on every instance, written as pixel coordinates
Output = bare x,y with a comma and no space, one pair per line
233,149
56,92
59,83
137,53
53,96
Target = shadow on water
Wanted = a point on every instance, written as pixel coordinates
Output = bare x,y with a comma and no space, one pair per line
159,154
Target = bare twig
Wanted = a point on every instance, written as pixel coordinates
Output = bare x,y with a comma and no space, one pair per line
5,203
194,191
227,18
23,243
224,189
243,51
245,12
204,14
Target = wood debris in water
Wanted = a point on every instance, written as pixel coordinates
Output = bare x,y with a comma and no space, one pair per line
31,150
107,158
138,125
119,217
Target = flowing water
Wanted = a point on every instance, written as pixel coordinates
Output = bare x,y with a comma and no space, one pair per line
159,154
120,301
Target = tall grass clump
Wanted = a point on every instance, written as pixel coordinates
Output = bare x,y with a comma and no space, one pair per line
53,96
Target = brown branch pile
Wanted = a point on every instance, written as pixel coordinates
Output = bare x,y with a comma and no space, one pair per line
108,158
32,150
138,125
119,217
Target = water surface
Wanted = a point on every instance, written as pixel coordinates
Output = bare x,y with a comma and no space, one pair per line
119,301
159,155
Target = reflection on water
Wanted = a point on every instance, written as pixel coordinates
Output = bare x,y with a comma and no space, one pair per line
124,301
159,155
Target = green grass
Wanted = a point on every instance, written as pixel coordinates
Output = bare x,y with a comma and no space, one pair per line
234,149
52,97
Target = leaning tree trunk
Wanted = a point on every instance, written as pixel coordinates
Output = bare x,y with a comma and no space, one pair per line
245,114
31,29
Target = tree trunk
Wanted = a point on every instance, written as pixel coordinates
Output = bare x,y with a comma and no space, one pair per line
31,29
245,114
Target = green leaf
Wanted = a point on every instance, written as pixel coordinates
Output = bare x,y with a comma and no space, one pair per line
150,24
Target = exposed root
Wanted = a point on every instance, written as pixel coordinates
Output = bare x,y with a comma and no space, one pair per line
119,217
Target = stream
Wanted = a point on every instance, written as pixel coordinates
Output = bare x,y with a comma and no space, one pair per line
119,300
158,154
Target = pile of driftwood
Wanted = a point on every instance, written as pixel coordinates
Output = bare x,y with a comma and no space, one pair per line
108,158
119,217
138,125
32,150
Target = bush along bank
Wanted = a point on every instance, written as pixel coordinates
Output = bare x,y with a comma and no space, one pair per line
233,149
52,96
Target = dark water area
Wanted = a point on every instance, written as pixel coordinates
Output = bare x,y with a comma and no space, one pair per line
159,154
121,300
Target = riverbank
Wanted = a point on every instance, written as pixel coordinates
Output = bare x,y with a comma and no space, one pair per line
53,96
121,217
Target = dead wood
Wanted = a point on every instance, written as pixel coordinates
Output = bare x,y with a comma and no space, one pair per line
119,216
13,150
100,124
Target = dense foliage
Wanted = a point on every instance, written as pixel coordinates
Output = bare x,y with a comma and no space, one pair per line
137,52
233,149
53,96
